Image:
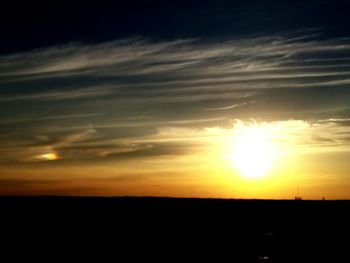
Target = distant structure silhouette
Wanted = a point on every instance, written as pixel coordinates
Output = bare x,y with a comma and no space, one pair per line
298,197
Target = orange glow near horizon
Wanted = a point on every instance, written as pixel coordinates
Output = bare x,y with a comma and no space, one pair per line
249,160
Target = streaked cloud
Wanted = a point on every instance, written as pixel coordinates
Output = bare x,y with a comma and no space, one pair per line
229,107
138,98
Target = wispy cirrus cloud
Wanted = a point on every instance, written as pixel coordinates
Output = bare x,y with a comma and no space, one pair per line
186,69
139,87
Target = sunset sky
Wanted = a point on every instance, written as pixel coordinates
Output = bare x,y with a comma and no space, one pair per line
180,99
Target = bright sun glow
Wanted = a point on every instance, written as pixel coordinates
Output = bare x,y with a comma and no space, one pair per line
252,152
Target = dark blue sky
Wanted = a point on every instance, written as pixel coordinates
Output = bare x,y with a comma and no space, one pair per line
26,25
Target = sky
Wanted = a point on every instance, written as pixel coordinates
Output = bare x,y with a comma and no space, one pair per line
222,99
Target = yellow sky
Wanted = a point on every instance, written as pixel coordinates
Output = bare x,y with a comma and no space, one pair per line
302,160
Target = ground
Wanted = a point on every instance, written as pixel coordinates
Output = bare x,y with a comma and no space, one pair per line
170,229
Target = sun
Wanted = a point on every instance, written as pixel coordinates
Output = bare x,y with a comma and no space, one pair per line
252,151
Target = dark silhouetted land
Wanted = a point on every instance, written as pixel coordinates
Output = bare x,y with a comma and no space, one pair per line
184,230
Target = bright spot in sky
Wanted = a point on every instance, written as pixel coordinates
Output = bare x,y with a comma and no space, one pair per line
252,152
48,156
